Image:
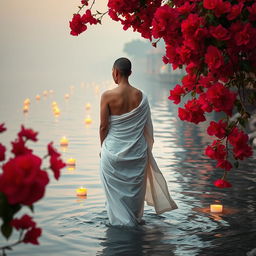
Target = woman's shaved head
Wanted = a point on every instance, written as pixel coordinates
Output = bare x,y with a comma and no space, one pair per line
124,66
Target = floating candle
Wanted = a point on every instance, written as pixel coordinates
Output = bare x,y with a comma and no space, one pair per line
38,97
217,208
56,111
45,93
26,102
25,108
64,141
66,96
88,120
71,162
81,191
88,106
54,104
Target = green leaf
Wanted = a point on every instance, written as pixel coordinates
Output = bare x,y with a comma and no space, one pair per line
242,121
31,207
6,229
236,164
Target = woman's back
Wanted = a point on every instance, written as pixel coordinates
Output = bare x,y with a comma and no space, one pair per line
124,100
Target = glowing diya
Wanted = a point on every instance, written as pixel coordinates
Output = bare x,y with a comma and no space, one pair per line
26,102
87,106
25,108
45,93
88,120
81,191
216,208
64,141
71,162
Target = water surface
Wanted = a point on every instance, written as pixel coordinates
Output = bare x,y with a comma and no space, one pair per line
78,226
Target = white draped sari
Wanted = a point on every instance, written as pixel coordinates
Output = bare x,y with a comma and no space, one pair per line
128,170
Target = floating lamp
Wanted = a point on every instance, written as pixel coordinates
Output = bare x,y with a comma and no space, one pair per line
54,104
81,191
56,111
38,97
87,106
71,162
88,120
45,93
25,108
97,89
66,96
26,102
216,208
64,141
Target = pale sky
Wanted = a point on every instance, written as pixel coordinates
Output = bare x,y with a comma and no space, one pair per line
37,51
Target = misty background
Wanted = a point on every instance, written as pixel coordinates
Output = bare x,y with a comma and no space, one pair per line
38,53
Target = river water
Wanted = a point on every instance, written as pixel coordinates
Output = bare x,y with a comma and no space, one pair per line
78,226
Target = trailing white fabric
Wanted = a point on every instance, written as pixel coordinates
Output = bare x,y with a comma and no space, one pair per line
128,170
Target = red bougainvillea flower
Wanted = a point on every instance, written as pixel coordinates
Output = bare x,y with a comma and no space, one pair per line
239,140
85,2
25,222
56,164
22,180
76,25
29,134
192,112
176,93
2,128
210,4
221,98
222,7
224,164
217,129
214,58
252,11
219,32
216,151
88,18
236,10
221,183
204,103
165,22
32,235
52,151
2,152
19,148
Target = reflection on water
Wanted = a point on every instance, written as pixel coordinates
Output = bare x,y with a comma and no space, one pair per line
79,226
139,241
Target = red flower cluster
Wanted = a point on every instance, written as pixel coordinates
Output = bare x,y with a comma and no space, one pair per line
2,152
218,151
216,41
26,223
221,183
239,140
23,181
135,14
192,112
78,22
218,129
56,164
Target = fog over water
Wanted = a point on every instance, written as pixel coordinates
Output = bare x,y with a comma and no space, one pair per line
37,52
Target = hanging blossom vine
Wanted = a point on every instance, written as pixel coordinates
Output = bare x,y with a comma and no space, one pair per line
215,41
